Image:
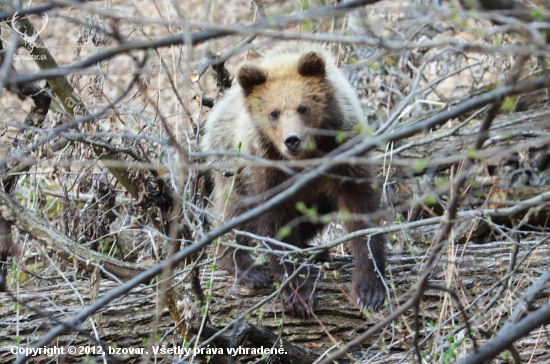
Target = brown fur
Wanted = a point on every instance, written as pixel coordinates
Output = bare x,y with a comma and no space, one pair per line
290,107
6,248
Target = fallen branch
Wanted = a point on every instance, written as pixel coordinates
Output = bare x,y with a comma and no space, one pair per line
479,268
43,231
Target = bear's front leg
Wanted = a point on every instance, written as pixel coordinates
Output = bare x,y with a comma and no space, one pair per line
240,263
367,285
299,297
360,199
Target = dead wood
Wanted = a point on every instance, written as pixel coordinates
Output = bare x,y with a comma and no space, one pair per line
39,228
22,140
471,271
453,140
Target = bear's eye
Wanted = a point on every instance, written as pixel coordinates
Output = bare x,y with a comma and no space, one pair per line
303,110
274,115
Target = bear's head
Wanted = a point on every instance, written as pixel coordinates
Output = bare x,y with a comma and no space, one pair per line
287,99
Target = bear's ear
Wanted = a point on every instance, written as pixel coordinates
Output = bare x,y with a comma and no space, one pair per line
250,76
311,64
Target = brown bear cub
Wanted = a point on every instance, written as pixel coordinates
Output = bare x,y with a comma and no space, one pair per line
292,106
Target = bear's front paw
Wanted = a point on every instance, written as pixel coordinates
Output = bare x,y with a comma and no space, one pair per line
369,291
300,307
256,277
323,257
253,276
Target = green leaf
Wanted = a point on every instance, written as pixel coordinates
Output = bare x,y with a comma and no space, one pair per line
420,165
508,105
537,14
284,232
399,218
307,25
430,200
341,136
149,53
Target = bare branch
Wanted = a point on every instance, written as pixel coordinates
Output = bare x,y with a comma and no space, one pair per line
40,229
513,331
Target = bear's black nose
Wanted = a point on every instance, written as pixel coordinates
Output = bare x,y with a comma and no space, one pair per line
292,142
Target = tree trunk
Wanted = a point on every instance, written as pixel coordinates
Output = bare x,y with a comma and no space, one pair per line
138,319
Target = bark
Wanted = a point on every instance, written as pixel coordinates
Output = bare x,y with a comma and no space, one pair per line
39,228
139,317
507,129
